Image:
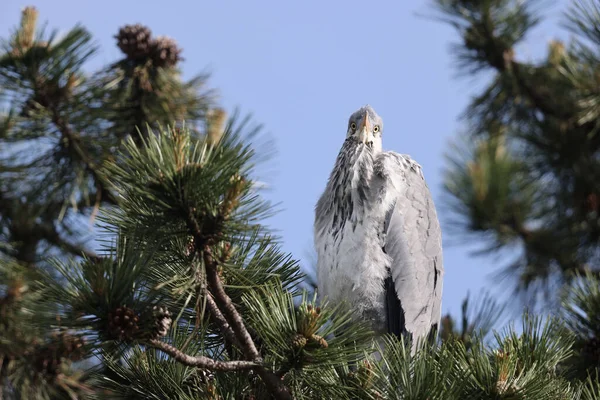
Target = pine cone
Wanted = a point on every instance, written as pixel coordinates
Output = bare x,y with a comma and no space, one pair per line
363,375
71,346
319,340
47,358
123,323
299,341
162,321
190,248
164,52
134,41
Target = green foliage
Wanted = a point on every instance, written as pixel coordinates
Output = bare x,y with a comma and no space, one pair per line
167,178
137,371
527,175
581,312
583,20
507,20
306,337
36,352
490,188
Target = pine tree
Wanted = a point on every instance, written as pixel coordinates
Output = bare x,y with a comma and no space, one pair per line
527,172
190,296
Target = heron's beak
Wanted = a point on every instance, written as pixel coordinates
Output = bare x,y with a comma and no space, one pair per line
365,132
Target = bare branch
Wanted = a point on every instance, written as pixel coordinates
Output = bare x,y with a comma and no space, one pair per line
200,361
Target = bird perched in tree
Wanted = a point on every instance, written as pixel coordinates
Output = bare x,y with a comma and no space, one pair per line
377,235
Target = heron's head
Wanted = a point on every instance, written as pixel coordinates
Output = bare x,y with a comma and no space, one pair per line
366,127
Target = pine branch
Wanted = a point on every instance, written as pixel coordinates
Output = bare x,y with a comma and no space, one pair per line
508,64
491,30
201,361
539,100
90,165
223,301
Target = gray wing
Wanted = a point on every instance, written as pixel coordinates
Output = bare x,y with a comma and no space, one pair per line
413,242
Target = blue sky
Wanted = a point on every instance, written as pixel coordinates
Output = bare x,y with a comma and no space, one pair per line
301,68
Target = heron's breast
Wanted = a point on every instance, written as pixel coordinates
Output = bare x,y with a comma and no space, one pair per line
352,266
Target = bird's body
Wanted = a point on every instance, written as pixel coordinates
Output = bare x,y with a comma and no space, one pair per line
377,235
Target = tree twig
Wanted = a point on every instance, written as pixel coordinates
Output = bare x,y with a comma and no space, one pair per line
200,361
220,319
229,311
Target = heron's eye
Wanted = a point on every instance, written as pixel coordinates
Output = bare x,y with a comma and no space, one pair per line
376,129
353,126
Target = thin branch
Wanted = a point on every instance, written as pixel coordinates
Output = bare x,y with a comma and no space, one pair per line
201,361
229,311
220,319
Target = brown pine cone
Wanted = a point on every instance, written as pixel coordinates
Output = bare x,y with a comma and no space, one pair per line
48,357
123,323
164,52
299,341
162,321
134,41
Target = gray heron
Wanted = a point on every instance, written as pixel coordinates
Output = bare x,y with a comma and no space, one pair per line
377,235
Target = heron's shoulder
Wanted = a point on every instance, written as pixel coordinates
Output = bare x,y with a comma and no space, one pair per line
389,161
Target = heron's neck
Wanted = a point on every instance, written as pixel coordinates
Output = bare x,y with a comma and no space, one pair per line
348,187
353,166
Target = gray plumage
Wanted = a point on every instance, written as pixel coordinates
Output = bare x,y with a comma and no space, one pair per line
377,235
